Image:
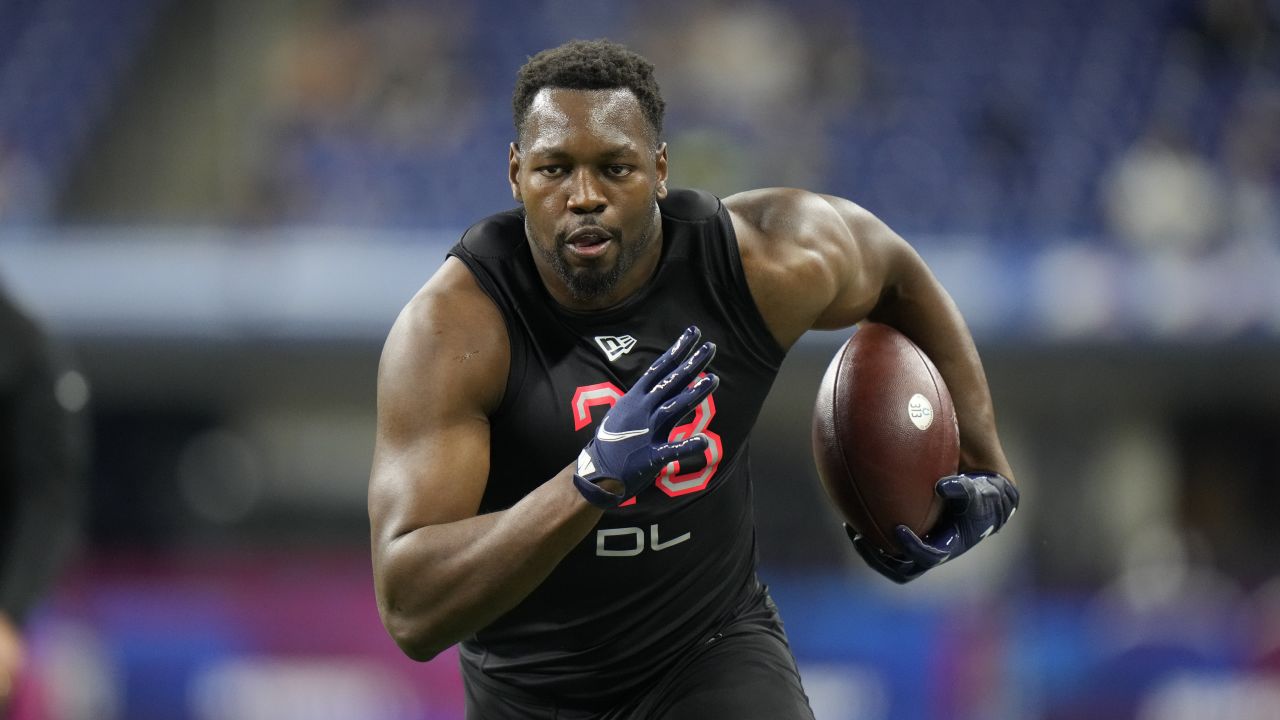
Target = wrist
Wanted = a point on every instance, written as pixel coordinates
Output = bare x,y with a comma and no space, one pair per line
987,473
601,495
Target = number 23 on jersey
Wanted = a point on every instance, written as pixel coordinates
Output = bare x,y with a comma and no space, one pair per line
671,480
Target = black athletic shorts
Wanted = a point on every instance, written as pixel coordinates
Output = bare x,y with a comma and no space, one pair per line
744,671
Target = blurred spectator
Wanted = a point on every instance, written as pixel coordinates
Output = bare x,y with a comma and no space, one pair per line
1164,196
999,121
1253,167
41,465
1001,135
744,63
740,77
362,94
1229,33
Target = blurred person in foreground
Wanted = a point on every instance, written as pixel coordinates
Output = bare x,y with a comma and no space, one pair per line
568,497
42,454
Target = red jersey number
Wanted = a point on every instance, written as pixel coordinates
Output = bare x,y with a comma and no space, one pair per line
671,480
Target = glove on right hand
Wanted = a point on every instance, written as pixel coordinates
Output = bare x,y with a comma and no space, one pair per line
630,444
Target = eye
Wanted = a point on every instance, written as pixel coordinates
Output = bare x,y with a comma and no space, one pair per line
552,171
618,170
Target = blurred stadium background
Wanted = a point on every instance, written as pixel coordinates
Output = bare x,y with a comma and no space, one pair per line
221,206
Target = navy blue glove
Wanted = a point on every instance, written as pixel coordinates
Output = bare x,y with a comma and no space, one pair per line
894,568
630,444
974,506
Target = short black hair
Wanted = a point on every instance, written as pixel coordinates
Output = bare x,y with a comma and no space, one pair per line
589,65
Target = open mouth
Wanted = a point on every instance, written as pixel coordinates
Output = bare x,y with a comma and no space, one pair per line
588,241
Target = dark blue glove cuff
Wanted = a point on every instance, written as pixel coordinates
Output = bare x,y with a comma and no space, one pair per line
597,495
896,569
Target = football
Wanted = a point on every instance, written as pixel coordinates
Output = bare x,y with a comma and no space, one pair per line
884,433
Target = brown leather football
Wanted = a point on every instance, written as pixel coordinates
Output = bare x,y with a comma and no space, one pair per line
884,433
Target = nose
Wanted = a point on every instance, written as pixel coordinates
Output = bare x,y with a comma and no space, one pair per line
586,197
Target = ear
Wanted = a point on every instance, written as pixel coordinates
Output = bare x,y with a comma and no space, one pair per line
513,171
661,170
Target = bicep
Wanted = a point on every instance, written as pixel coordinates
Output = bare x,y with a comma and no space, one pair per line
870,262
437,476
442,370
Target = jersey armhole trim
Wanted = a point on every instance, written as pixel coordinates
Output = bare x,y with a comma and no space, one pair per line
518,352
753,326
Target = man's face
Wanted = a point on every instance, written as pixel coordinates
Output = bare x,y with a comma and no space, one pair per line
589,175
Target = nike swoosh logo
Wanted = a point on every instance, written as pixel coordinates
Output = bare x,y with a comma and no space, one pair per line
606,436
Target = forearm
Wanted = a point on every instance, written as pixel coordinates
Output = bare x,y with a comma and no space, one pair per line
920,307
440,583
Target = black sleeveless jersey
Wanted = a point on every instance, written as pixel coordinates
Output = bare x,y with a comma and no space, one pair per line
660,573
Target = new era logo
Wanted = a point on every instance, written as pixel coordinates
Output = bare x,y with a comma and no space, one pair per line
615,346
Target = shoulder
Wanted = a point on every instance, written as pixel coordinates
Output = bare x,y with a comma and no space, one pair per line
795,247
495,236
812,260
689,205
448,343
790,217
777,210
800,232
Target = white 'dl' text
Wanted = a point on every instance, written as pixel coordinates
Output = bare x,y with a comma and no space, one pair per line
629,541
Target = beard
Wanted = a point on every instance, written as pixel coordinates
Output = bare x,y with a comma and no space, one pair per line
588,284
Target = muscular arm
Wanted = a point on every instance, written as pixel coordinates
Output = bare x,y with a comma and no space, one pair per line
441,571
822,262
